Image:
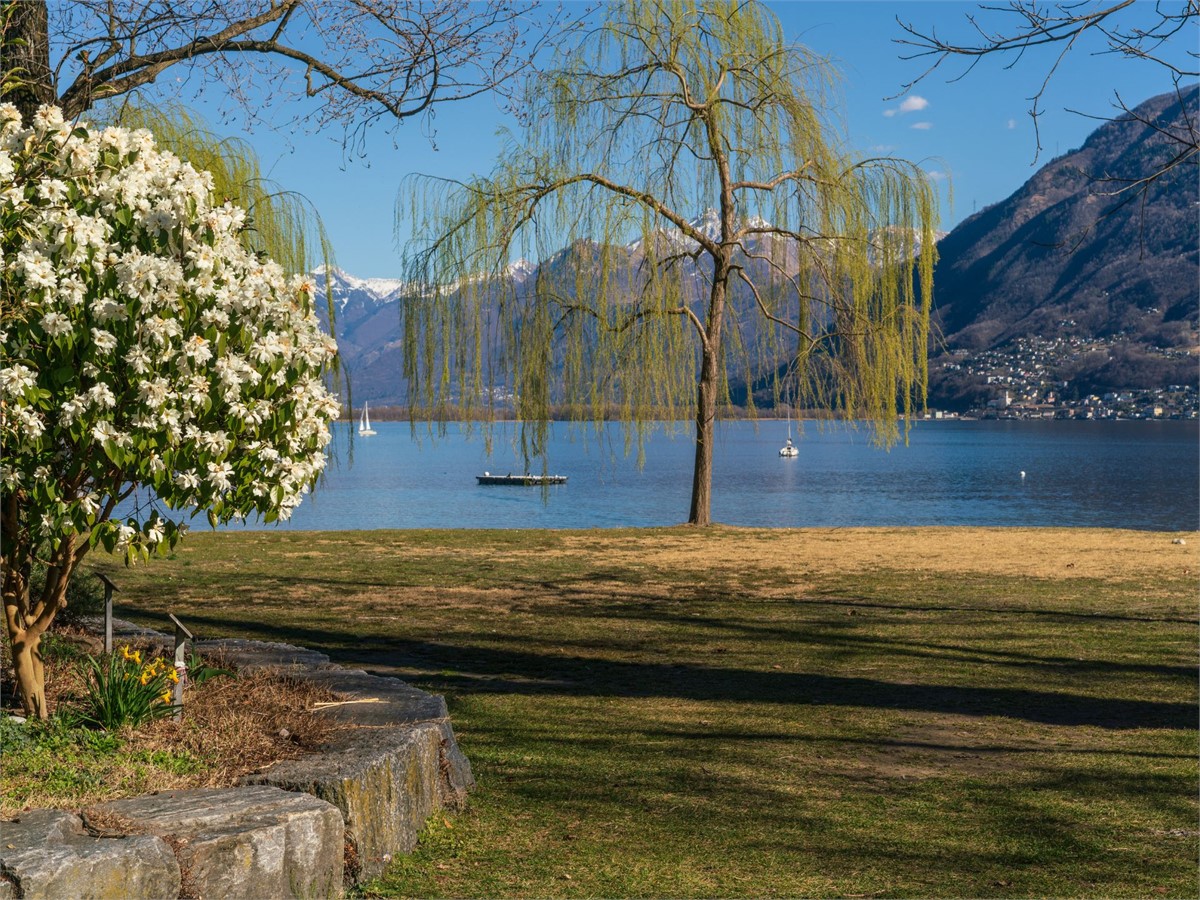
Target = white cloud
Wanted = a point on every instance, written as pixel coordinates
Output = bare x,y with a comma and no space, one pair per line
922,126
915,103
881,148
1011,124
937,175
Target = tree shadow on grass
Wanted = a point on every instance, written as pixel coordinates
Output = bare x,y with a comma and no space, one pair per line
844,632
582,589
471,667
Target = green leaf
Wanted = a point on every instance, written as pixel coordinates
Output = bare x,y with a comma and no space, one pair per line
115,454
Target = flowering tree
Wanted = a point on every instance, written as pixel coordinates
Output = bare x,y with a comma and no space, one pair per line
144,348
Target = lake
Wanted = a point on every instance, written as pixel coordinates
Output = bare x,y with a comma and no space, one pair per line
1141,475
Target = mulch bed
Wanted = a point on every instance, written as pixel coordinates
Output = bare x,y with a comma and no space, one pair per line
236,726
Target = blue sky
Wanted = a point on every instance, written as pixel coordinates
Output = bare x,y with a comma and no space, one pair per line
975,133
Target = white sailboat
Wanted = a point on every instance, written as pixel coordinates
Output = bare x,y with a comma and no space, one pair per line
364,424
789,449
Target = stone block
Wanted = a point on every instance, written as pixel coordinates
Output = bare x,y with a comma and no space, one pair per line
376,700
248,842
384,781
386,776
381,702
47,855
251,656
456,776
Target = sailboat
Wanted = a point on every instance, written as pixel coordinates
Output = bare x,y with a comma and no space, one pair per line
364,424
789,449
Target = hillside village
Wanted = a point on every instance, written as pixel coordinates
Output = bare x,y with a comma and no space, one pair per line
1025,379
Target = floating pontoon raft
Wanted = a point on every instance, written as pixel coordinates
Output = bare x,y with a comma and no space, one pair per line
526,480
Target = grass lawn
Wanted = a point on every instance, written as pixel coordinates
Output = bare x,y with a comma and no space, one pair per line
733,712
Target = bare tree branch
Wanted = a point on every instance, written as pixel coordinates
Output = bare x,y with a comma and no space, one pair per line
351,62
1137,30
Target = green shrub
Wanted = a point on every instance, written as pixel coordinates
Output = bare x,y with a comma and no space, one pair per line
85,595
13,734
56,648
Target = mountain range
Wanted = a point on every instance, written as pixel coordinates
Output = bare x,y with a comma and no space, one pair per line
1081,250
1083,241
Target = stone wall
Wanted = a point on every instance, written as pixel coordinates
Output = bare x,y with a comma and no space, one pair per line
303,828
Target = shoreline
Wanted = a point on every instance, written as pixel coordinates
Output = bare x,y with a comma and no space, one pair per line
949,417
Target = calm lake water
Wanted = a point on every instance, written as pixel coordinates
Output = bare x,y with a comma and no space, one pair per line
1143,475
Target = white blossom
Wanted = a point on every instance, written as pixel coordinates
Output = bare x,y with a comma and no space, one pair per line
197,350
52,190
154,533
72,409
104,341
218,475
55,324
101,395
16,380
154,391
37,269
105,309
138,359
188,480
125,536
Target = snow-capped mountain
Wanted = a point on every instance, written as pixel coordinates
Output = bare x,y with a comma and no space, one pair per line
708,224
520,270
348,288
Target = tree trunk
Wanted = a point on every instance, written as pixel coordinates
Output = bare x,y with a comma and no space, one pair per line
31,675
25,55
26,620
706,416
706,398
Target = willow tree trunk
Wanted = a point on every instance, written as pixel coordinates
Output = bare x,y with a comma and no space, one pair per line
706,416
706,396
25,55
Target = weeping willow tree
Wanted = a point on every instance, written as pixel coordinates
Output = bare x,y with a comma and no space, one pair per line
808,260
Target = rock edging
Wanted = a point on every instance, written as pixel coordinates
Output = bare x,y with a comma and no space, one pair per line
388,775
374,786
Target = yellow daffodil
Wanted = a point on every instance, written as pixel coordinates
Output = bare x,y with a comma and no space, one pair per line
166,696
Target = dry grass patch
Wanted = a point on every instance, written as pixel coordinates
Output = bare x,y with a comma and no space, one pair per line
1056,553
